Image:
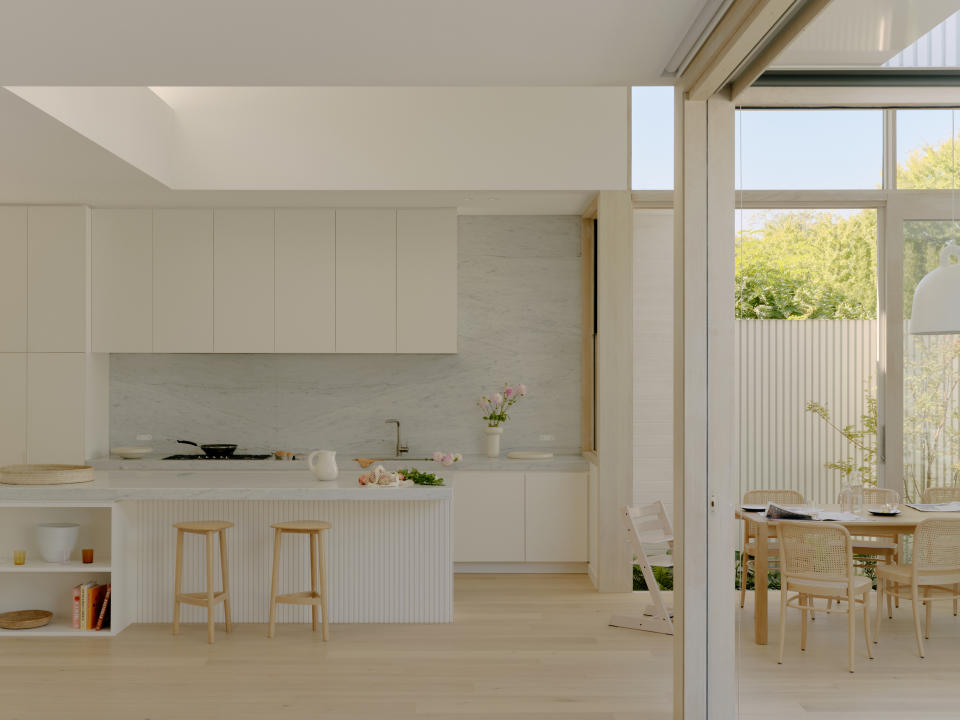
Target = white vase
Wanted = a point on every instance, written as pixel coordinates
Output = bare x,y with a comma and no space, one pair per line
493,441
324,468
57,540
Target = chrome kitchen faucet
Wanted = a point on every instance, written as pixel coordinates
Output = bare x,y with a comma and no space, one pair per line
401,448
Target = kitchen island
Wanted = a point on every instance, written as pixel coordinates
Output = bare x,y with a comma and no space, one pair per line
389,554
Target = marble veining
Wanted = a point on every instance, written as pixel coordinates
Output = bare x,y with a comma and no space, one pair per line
519,321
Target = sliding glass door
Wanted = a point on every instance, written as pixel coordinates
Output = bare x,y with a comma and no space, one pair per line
923,371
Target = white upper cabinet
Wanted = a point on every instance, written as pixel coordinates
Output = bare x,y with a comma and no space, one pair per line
13,279
243,276
305,280
58,266
183,281
122,281
13,408
56,407
427,281
366,281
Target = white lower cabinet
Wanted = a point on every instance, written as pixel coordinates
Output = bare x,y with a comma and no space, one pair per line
488,517
520,517
556,517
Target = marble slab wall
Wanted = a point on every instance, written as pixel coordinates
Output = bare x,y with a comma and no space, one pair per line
519,321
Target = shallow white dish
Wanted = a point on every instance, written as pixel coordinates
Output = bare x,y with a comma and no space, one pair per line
131,452
529,455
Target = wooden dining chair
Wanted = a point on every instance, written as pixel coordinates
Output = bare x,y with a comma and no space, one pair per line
935,569
876,547
816,561
941,494
761,497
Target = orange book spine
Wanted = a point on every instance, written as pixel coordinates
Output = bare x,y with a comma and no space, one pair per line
91,605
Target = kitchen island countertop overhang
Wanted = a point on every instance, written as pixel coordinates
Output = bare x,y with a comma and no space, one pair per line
117,485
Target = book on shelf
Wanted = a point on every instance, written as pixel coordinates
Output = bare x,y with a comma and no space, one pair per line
76,607
90,606
104,611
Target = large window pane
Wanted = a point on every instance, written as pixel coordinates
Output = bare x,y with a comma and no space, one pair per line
806,349
809,149
925,151
931,373
652,138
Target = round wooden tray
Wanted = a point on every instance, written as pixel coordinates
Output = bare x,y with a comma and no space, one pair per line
45,474
24,619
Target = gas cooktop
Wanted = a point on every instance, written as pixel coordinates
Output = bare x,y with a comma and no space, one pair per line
210,457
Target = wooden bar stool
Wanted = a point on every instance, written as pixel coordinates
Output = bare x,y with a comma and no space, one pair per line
209,599
314,530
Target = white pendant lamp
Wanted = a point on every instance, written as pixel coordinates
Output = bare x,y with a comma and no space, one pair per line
936,301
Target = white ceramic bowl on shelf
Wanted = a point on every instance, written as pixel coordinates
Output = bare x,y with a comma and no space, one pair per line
131,452
57,540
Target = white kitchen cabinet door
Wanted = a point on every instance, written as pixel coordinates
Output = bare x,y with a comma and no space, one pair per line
366,281
122,281
556,517
58,267
243,277
183,281
13,408
488,517
13,279
55,407
427,281
305,280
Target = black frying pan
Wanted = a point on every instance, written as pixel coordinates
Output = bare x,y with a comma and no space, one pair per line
219,451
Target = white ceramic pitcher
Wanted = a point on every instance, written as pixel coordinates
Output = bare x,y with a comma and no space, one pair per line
325,468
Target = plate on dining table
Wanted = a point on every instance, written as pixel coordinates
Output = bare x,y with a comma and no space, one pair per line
753,508
884,513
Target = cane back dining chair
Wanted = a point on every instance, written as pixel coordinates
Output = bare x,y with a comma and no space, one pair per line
935,571
941,494
816,561
761,497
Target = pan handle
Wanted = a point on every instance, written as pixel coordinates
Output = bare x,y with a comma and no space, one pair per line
188,442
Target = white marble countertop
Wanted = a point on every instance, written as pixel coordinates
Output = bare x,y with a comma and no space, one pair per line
112,485
470,463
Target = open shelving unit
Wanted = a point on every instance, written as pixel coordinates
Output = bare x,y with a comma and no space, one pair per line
48,586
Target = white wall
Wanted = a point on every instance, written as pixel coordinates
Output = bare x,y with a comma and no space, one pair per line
358,138
653,357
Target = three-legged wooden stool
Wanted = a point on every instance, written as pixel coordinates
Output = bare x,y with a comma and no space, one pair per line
209,599
314,530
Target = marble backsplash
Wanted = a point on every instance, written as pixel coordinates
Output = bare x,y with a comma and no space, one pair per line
519,321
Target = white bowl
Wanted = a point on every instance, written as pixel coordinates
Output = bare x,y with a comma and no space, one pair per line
131,453
57,540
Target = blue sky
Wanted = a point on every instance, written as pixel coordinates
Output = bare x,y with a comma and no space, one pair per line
784,149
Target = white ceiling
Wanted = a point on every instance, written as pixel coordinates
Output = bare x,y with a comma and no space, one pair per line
42,161
341,42
862,33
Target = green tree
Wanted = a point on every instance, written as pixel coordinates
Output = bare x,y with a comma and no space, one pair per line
930,167
808,265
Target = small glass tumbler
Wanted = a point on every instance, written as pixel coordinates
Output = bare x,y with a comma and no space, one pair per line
19,557
87,554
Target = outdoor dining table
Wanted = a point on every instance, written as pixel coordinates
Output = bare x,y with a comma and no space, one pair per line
764,529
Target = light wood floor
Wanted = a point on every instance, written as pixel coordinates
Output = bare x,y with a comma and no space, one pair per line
815,683
523,646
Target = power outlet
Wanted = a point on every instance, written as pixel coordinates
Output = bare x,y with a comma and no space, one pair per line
143,437
546,438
